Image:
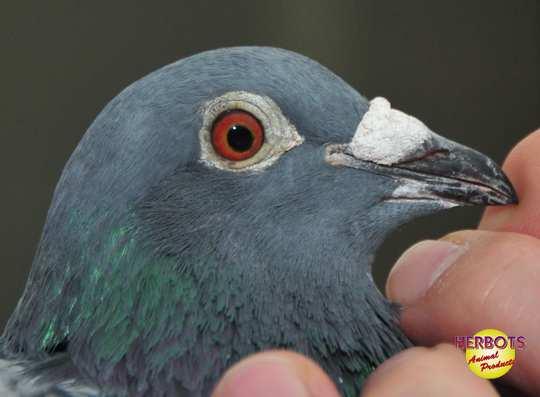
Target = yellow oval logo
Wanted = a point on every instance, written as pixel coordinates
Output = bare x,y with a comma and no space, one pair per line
490,353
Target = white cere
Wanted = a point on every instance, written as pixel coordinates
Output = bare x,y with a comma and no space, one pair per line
387,136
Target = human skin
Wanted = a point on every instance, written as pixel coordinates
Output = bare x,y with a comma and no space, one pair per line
466,281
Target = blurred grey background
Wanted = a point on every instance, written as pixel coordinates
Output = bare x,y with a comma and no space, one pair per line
470,70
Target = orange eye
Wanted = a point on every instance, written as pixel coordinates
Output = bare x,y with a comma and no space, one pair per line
237,135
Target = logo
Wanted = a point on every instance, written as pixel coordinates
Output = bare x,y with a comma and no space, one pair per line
490,353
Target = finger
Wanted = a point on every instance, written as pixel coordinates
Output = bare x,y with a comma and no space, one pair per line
523,168
419,371
469,281
275,373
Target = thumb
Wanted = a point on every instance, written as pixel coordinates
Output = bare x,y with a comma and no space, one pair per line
275,373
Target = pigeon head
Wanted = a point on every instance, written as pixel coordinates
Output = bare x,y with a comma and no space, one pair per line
227,203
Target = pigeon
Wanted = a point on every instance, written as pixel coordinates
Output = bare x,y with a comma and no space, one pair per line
228,203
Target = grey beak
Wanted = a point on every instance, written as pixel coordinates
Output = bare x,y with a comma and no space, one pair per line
457,173
429,166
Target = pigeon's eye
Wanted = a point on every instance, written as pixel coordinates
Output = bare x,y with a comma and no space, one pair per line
237,135
242,131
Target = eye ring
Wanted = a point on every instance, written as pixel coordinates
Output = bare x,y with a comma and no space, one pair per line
278,136
237,135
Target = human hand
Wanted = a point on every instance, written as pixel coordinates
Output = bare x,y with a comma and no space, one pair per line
467,281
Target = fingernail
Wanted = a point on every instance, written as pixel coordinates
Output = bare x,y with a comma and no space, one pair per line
265,378
419,267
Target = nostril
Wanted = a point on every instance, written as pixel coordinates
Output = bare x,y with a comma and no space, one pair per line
433,154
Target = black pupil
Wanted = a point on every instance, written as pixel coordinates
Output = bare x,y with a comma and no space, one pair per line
239,138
